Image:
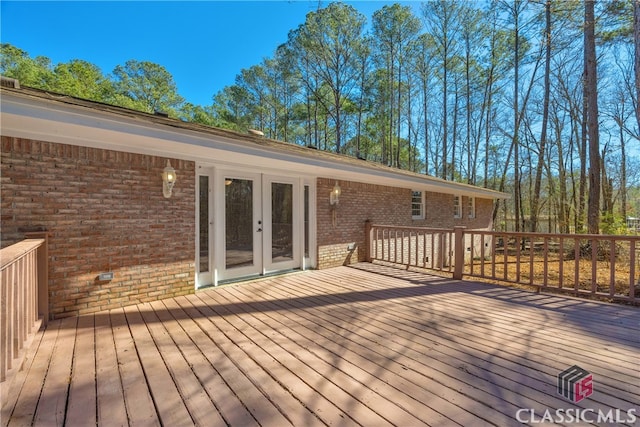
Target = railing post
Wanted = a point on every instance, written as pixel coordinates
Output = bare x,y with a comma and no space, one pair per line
43,273
458,252
367,240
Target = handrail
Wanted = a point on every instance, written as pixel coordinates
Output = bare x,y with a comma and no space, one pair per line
23,269
13,253
603,266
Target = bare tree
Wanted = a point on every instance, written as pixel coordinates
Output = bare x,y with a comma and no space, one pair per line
591,112
636,40
545,118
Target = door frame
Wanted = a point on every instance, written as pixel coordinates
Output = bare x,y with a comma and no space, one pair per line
216,221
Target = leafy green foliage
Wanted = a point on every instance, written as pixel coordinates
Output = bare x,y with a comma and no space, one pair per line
17,64
148,85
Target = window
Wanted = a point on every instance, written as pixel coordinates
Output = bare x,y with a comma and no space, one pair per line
471,205
417,205
457,207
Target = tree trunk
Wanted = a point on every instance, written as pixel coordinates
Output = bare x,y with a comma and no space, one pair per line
545,118
516,122
399,118
591,95
454,133
623,173
636,40
445,113
425,106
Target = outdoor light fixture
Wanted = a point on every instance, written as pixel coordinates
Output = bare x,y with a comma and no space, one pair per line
334,197
168,180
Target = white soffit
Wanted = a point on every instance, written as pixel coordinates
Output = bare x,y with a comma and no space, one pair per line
54,121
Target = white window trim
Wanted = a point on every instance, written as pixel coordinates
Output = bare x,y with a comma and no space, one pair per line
457,207
471,203
423,205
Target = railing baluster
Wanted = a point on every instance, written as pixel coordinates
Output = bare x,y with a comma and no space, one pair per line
518,253
424,249
482,252
545,265
383,240
506,261
471,255
417,250
576,273
632,269
594,266
531,249
433,250
561,263
612,269
494,246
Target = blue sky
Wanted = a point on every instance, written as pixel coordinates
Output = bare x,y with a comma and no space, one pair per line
203,44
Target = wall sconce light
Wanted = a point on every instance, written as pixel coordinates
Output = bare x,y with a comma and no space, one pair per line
168,180
334,197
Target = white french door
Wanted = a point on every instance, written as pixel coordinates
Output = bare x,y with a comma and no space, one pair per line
258,224
238,225
281,217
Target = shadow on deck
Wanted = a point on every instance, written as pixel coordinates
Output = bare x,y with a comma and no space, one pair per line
363,345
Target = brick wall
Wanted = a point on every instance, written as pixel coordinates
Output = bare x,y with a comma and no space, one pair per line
343,225
104,211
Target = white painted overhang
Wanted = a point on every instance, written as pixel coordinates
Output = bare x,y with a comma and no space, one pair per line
38,115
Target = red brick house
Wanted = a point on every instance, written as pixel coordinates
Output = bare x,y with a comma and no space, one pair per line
91,175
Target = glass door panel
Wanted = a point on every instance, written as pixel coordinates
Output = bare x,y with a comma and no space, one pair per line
260,224
203,222
238,208
204,261
238,223
281,215
281,222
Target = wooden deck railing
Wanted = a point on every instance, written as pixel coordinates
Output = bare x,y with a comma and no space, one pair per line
604,266
429,248
23,299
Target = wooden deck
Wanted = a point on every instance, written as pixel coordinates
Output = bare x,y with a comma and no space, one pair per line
368,346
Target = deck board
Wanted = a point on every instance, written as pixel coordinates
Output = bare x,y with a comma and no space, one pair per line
53,398
82,391
234,368
137,395
367,345
163,386
110,405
